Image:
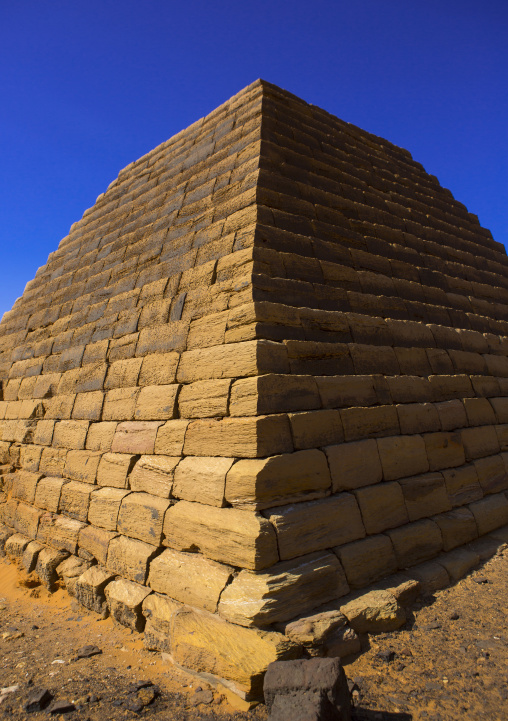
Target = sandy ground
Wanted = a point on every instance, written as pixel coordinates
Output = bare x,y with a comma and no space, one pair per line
449,662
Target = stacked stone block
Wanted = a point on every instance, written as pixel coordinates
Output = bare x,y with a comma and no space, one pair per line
268,369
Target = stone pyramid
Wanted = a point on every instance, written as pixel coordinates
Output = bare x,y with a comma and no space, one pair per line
266,370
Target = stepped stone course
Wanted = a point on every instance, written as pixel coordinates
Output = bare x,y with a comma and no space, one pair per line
266,370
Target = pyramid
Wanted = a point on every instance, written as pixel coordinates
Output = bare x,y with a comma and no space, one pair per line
264,374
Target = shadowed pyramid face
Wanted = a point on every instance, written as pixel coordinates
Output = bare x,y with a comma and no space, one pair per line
267,368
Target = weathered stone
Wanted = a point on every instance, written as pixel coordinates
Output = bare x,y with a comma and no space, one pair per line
458,562
492,473
273,394
402,456
158,611
285,590
24,485
241,437
114,469
189,578
418,418
204,399
367,560
479,441
47,495
129,558
444,450
90,589
374,612
313,631
75,500
268,482
462,485
135,437
171,437
141,516
312,429
95,541
70,434
425,495
100,436
490,513
228,535
158,368
353,465
154,474
457,527
27,519
156,403
416,542
202,479
382,506
452,414
203,642
315,525
369,422
30,555
105,506
82,465
53,461
124,600
47,562
70,570
15,546
345,391
30,457
88,406
64,534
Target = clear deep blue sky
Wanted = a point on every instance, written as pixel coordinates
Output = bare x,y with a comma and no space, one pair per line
88,87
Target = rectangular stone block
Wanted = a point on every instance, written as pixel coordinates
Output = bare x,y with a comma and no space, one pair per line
26,520
418,418
382,506
374,359
105,506
82,465
492,473
444,450
123,373
44,432
100,436
500,406
114,469
158,611
30,457
24,485
70,434
125,600
425,495
480,441
135,437
202,479
156,403
158,369
171,437
204,399
228,535
315,525
278,480
189,578
154,474
130,558
353,465
88,406
370,422
96,542
119,404
241,437
90,589
502,436
416,542
47,495
75,499
479,412
402,456
48,561
410,389
457,527
141,516
462,485
315,429
60,406
273,393
490,513
368,560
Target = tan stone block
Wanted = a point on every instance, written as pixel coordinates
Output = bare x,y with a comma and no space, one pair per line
8,512
369,422
123,373
75,499
63,534
48,561
161,338
273,393
170,438
345,391
278,480
374,359
158,611
500,406
154,474
204,399
204,642
242,437
104,507
47,495
119,404
382,506
70,434
459,562
490,513
374,612
457,527
354,464
90,589
31,409
26,520
129,558
418,418
425,495
135,437
479,441
452,415
156,403
286,590
91,377
125,600
158,369
368,560
228,535
208,331
313,429
492,473
44,432
233,360
96,542
402,456
30,457
114,469
315,525
88,406
141,516
416,542
100,436
15,546
24,485
82,465
462,485
444,450
70,570
479,412
60,406
189,578
95,352
202,479
321,633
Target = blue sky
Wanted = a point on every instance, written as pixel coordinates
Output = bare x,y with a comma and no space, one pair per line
88,87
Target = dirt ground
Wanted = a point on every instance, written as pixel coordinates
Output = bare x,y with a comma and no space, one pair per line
449,662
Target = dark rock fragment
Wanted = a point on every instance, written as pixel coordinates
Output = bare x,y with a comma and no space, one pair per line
38,700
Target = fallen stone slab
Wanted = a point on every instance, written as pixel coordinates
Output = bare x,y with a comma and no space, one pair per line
374,612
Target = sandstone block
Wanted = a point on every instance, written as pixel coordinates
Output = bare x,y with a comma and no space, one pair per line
314,429
123,373
96,542
462,485
263,483
444,450
374,612
30,457
273,393
492,473
189,578
64,533
416,542
367,560
202,479
100,436
233,360
369,422
425,495
141,516
345,391
228,535
105,506
452,415
241,437
82,465
479,412
129,558
114,469
135,437
315,525
125,600
431,576
382,506
70,570
490,513
88,406
24,485
170,438
502,436
158,369
30,555
156,403
154,474
70,434
448,387
90,589
47,562
53,461
402,456
458,562
410,389
418,418
119,404
205,399
60,406
27,519
285,590
480,441
315,631
457,527
15,546
8,512
47,495
203,642
355,464
75,499
500,406
158,612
